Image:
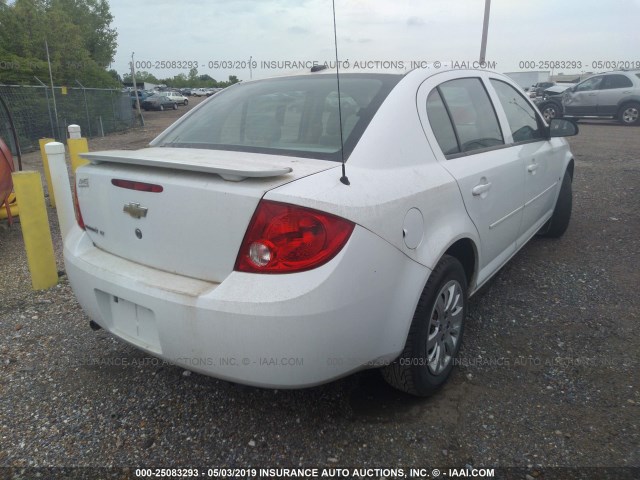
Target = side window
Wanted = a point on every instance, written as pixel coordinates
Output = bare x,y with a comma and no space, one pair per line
522,118
616,81
592,83
441,123
472,115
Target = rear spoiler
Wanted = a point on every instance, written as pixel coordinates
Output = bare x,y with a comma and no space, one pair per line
225,164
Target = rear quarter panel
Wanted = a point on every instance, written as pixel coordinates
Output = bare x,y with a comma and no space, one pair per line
391,171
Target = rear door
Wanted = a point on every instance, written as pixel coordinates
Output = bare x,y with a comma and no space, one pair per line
463,128
615,88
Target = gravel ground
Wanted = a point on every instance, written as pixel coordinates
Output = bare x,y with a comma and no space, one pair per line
548,374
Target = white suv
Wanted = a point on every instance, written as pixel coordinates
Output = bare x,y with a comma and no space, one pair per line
609,95
284,234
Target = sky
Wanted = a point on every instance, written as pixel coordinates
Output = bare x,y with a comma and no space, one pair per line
378,34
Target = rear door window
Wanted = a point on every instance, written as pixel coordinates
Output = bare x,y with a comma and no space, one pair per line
471,116
441,124
616,81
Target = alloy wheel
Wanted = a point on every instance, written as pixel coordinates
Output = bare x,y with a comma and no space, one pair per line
445,326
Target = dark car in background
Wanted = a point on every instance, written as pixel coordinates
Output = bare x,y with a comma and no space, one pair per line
539,88
159,102
142,95
550,101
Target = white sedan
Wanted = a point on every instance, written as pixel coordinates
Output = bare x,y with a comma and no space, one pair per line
285,233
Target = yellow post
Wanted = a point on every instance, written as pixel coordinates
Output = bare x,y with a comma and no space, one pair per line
77,146
35,229
47,175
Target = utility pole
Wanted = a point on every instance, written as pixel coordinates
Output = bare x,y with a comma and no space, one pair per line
485,31
135,89
53,92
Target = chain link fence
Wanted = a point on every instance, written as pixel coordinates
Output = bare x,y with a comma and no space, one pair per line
40,111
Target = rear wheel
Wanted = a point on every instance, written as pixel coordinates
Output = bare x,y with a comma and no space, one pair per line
175,106
629,114
186,102
435,335
162,108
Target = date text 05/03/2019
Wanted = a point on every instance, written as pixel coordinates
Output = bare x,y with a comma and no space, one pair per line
570,64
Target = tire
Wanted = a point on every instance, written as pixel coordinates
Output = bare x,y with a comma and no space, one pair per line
559,221
175,106
629,114
424,365
550,111
186,102
161,108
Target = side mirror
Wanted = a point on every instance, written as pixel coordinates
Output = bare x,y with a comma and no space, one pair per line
560,127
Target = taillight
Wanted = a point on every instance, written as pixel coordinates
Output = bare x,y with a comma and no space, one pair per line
283,238
76,208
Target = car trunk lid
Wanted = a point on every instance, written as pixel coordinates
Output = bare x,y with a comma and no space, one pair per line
194,223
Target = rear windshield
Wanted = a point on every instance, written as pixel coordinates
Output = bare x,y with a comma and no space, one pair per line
296,116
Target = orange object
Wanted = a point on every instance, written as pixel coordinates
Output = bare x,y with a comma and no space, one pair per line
6,183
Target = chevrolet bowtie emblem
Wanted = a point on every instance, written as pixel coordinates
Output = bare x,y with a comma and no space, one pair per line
135,210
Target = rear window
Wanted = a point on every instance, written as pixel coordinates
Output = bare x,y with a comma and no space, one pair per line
295,116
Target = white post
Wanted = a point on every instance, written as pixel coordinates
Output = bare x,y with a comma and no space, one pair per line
74,131
61,186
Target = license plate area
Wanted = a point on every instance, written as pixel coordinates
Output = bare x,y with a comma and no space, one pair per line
132,322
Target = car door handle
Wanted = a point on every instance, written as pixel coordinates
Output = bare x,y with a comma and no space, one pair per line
532,168
480,189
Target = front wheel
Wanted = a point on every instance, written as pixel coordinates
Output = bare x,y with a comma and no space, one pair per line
559,221
186,102
175,106
162,108
550,111
436,332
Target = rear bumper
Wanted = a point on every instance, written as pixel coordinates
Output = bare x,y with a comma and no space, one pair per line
284,331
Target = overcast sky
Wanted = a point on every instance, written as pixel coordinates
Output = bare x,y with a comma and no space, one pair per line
372,30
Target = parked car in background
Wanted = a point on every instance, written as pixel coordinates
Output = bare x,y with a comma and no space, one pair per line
607,95
142,95
177,97
199,92
159,102
550,102
186,92
287,267
538,89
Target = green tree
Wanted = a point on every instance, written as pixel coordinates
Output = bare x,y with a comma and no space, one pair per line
141,76
193,75
93,18
80,41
